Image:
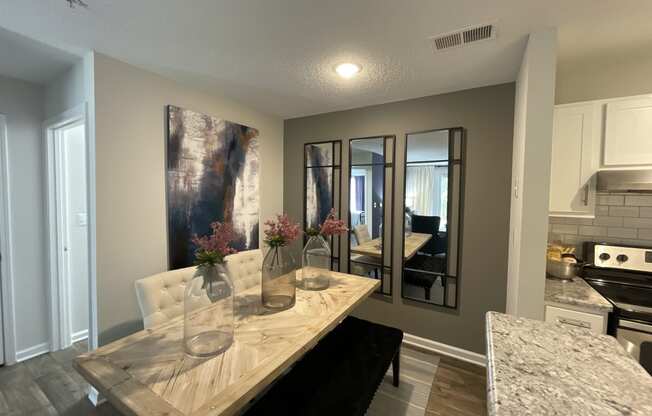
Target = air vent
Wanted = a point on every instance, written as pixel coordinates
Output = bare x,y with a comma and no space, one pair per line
463,37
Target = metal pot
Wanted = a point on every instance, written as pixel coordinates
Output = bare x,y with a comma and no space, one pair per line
561,269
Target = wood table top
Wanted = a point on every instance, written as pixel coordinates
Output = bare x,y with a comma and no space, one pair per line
147,373
413,243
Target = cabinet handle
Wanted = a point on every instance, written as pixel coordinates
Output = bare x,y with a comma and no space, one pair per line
585,200
574,322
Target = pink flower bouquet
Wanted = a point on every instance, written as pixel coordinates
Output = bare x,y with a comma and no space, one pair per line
212,249
331,226
281,232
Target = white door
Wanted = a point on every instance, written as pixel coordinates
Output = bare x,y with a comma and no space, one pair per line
2,326
628,132
572,186
71,199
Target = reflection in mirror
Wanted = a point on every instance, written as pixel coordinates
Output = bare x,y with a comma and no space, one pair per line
370,184
433,181
322,177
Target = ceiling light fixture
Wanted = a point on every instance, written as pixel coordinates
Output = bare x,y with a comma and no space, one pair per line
347,70
74,3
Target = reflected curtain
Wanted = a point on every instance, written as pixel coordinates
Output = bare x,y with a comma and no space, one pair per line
426,191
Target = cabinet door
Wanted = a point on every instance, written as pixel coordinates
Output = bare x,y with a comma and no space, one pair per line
575,319
628,132
572,188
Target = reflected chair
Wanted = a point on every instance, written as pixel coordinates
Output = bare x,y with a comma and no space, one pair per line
361,232
160,296
360,264
431,257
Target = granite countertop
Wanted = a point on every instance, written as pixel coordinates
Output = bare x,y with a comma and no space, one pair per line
576,293
537,368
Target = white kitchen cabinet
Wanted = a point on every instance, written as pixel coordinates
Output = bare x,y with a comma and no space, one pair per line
576,319
628,132
575,156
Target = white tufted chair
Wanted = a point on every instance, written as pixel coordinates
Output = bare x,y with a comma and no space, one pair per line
245,269
160,297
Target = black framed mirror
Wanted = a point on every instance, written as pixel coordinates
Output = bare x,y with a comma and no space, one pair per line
433,184
371,204
322,181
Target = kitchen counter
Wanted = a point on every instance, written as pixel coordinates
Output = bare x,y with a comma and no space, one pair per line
575,293
537,368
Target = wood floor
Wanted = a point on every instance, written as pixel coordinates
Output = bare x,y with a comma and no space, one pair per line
48,385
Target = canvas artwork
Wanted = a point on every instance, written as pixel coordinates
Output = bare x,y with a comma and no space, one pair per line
212,175
319,183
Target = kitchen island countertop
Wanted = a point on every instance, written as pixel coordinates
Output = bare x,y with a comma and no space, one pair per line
537,368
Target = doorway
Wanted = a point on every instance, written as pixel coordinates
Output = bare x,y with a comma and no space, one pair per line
68,223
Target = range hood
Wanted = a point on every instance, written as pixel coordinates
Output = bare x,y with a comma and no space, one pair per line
636,180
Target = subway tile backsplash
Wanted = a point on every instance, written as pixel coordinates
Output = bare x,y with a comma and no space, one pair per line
619,218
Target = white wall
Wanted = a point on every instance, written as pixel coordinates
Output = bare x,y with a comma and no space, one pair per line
607,76
22,103
130,157
535,90
74,151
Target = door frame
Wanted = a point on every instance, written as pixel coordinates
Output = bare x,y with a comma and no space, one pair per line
8,335
60,327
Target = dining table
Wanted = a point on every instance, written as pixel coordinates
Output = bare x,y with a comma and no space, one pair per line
148,373
413,243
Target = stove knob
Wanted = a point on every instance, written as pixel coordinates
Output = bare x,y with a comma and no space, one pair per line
604,256
621,258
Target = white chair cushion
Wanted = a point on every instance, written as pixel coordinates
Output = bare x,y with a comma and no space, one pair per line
361,233
245,268
160,297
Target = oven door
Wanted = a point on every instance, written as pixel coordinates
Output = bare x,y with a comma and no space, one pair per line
636,338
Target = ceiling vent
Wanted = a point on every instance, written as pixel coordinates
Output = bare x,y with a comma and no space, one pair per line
462,37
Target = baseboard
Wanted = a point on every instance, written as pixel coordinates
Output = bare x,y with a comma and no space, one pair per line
79,336
32,352
95,397
444,349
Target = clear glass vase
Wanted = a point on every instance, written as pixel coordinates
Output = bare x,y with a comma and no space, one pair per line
408,225
208,312
316,262
279,279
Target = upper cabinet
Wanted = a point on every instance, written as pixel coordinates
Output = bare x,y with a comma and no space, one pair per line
628,132
575,150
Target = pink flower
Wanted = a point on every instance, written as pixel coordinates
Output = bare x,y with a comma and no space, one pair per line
281,232
332,226
217,243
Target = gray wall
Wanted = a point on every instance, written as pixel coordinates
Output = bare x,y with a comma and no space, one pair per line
66,91
487,114
22,104
130,179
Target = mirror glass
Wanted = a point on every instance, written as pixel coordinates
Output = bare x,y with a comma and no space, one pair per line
322,182
370,185
433,181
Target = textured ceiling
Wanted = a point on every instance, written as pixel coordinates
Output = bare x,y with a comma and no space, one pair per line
278,55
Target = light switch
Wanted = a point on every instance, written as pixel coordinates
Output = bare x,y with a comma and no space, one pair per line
82,219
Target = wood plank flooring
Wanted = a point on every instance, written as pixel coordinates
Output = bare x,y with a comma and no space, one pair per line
47,385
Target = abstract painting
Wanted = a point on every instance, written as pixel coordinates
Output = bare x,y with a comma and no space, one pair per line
212,175
319,182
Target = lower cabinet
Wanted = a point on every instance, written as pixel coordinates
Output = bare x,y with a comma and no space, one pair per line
596,323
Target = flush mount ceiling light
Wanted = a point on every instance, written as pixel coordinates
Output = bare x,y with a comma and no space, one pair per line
74,3
348,70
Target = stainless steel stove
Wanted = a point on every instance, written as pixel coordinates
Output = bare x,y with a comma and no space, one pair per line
623,275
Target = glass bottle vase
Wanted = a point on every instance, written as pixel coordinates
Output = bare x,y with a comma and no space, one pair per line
208,312
316,262
279,279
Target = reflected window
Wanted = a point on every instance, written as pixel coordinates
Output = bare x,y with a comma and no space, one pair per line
322,183
371,179
433,180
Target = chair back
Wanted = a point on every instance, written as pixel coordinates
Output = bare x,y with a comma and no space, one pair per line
245,269
361,232
160,296
427,224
